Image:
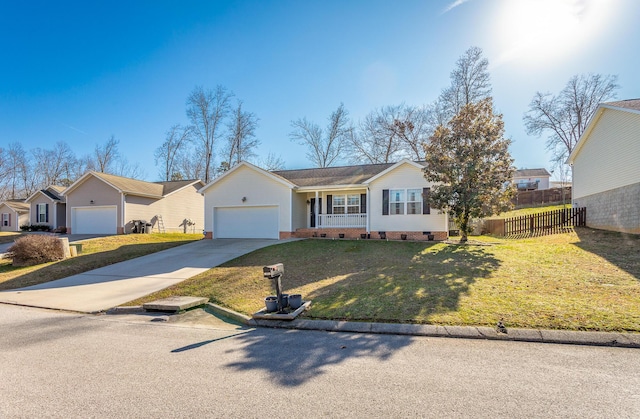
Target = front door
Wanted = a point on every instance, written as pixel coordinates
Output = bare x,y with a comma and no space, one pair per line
312,222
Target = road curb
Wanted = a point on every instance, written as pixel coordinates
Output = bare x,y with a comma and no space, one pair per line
615,339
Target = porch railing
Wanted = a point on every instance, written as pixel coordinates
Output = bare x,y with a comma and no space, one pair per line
342,220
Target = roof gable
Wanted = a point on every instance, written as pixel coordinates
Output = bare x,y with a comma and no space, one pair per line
393,167
230,172
53,192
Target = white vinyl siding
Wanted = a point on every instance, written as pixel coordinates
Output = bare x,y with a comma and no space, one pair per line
257,189
405,177
610,156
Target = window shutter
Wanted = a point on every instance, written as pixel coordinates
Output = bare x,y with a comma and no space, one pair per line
329,204
363,203
9,219
46,213
385,202
319,205
426,207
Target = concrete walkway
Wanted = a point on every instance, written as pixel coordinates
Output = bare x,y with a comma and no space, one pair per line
113,285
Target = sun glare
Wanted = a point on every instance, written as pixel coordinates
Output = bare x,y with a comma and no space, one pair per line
545,30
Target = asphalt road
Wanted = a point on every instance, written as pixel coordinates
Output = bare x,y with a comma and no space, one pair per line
56,364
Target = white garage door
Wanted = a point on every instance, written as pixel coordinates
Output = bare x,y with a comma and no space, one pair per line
246,222
94,220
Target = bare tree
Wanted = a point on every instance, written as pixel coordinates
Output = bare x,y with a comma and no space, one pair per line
20,182
376,140
470,83
391,133
271,162
324,148
241,138
52,166
206,110
169,153
106,155
565,116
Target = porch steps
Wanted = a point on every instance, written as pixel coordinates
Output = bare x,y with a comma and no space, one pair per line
160,223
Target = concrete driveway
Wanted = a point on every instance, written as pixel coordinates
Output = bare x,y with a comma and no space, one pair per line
110,286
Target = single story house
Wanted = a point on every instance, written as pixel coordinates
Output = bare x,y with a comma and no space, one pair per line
373,201
100,203
606,167
531,179
47,206
13,214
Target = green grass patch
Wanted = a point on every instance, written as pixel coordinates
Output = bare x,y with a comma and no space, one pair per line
95,254
587,280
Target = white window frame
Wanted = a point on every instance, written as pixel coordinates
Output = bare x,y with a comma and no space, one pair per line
399,204
41,213
347,204
5,219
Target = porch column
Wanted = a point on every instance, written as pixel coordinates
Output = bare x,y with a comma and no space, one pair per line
317,209
368,211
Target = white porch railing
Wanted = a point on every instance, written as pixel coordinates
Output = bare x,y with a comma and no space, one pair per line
342,220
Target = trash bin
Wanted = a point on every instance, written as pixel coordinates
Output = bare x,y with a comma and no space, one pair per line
148,227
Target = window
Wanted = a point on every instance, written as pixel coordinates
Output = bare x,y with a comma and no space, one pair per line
346,204
353,204
5,219
414,201
41,216
338,204
396,201
405,201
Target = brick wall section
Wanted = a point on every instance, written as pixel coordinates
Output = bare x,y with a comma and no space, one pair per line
615,210
354,233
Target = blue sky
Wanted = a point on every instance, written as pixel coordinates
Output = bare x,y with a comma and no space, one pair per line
80,72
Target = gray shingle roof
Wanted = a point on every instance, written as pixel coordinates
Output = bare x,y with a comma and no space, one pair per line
531,173
141,187
18,205
628,104
329,176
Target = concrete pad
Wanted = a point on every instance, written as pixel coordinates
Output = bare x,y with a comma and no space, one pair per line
110,286
264,315
175,304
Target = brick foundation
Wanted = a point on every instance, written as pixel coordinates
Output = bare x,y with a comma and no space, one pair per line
356,233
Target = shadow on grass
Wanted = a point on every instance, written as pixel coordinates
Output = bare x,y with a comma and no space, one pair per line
363,280
621,250
293,357
407,289
82,263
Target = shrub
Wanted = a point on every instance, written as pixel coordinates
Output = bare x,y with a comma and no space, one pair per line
35,249
25,227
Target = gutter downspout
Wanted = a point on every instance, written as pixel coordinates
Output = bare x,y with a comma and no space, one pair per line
123,213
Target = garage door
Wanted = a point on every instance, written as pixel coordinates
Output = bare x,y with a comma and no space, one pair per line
246,222
94,220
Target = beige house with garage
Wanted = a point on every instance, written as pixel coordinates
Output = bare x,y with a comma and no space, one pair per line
606,167
100,203
370,201
47,207
13,214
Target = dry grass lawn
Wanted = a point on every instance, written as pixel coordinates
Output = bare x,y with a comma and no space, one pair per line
95,254
585,280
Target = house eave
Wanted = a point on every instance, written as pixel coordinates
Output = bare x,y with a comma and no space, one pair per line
331,187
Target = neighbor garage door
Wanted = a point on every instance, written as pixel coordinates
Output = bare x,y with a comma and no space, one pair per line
246,222
94,220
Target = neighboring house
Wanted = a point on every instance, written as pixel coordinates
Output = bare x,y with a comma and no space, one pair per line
13,214
250,202
606,167
99,203
531,179
47,206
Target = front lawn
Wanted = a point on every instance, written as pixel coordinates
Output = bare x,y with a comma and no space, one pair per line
587,280
95,254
